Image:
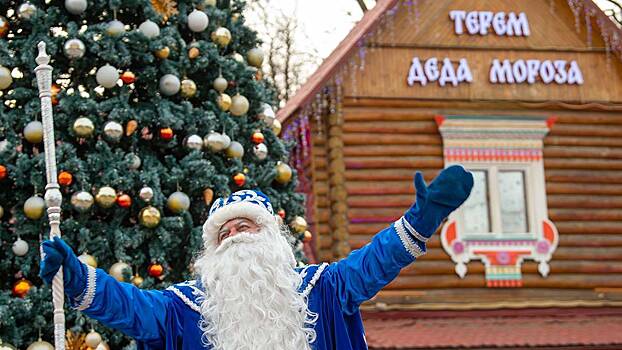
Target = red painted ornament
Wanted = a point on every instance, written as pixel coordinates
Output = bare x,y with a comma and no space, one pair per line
257,137
124,201
155,270
3,172
65,178
128,77
166,133
21,288
281,213
55,90
239,179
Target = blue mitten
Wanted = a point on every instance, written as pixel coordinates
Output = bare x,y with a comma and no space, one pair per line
57,253
435,202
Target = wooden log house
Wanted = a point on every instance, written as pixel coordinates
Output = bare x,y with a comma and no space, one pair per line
527,95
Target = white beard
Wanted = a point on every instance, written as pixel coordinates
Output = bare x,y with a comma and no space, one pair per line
251,297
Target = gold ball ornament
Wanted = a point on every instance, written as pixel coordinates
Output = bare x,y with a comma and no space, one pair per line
92,339
149,217
188,88
40,345
117,270
299,224
220,84
283,173
276,127
88,259
33,132
178,202
193,53
1,211
209,2
235,17
224,102
4,26
83,127
163,53
137,280
82,201
255,57
239,105
5,78
235,150
106,197
221,36
103,346
34,207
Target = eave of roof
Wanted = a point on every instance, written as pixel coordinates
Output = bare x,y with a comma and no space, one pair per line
347,46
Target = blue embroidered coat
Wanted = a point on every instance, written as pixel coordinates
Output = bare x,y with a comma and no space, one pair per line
169,319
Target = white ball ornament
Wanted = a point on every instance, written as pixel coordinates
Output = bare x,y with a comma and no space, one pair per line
33,132
235,150
5,78
178,202
76,7
82,201
149,29
20,247
239,105
74,48
107,76
226,140
169,84
255,57
220,84
146,194
261,151
93,339
197,21
135,161
267,114
214,141
194,142
115,27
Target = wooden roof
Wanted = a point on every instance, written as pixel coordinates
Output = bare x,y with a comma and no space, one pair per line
348,45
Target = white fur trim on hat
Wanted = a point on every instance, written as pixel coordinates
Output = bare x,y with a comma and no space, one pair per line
249,210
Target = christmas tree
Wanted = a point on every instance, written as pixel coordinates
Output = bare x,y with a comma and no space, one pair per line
159,108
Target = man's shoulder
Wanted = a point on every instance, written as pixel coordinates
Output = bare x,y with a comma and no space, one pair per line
188,292
310,275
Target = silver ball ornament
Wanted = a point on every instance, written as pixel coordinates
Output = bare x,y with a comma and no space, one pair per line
40,345
113,131
34,207
74,48
149,29
146,194
169,84
107,76
135,161
20,247
194,142
215,142
115,27
220,84
197,21
261,151
255,57
76,7
235,150
178,202
26,10
239,105
93,339
267,114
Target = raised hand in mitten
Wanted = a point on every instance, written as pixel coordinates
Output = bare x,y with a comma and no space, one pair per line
57,253
435,202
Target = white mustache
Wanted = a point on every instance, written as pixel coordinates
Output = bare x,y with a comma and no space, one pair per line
243,237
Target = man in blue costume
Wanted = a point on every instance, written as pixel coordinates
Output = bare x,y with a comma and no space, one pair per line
248,293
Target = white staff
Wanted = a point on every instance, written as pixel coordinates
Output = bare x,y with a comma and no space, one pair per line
53,197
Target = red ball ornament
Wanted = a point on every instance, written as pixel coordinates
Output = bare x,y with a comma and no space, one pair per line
21,288
166,133
239,179
155,270
124,201
128,77
281,213
257,137
65,178
3,172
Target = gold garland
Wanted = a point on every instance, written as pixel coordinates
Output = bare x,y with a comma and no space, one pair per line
166,8
75,341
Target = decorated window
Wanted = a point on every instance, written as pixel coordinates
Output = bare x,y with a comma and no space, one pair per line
504,221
